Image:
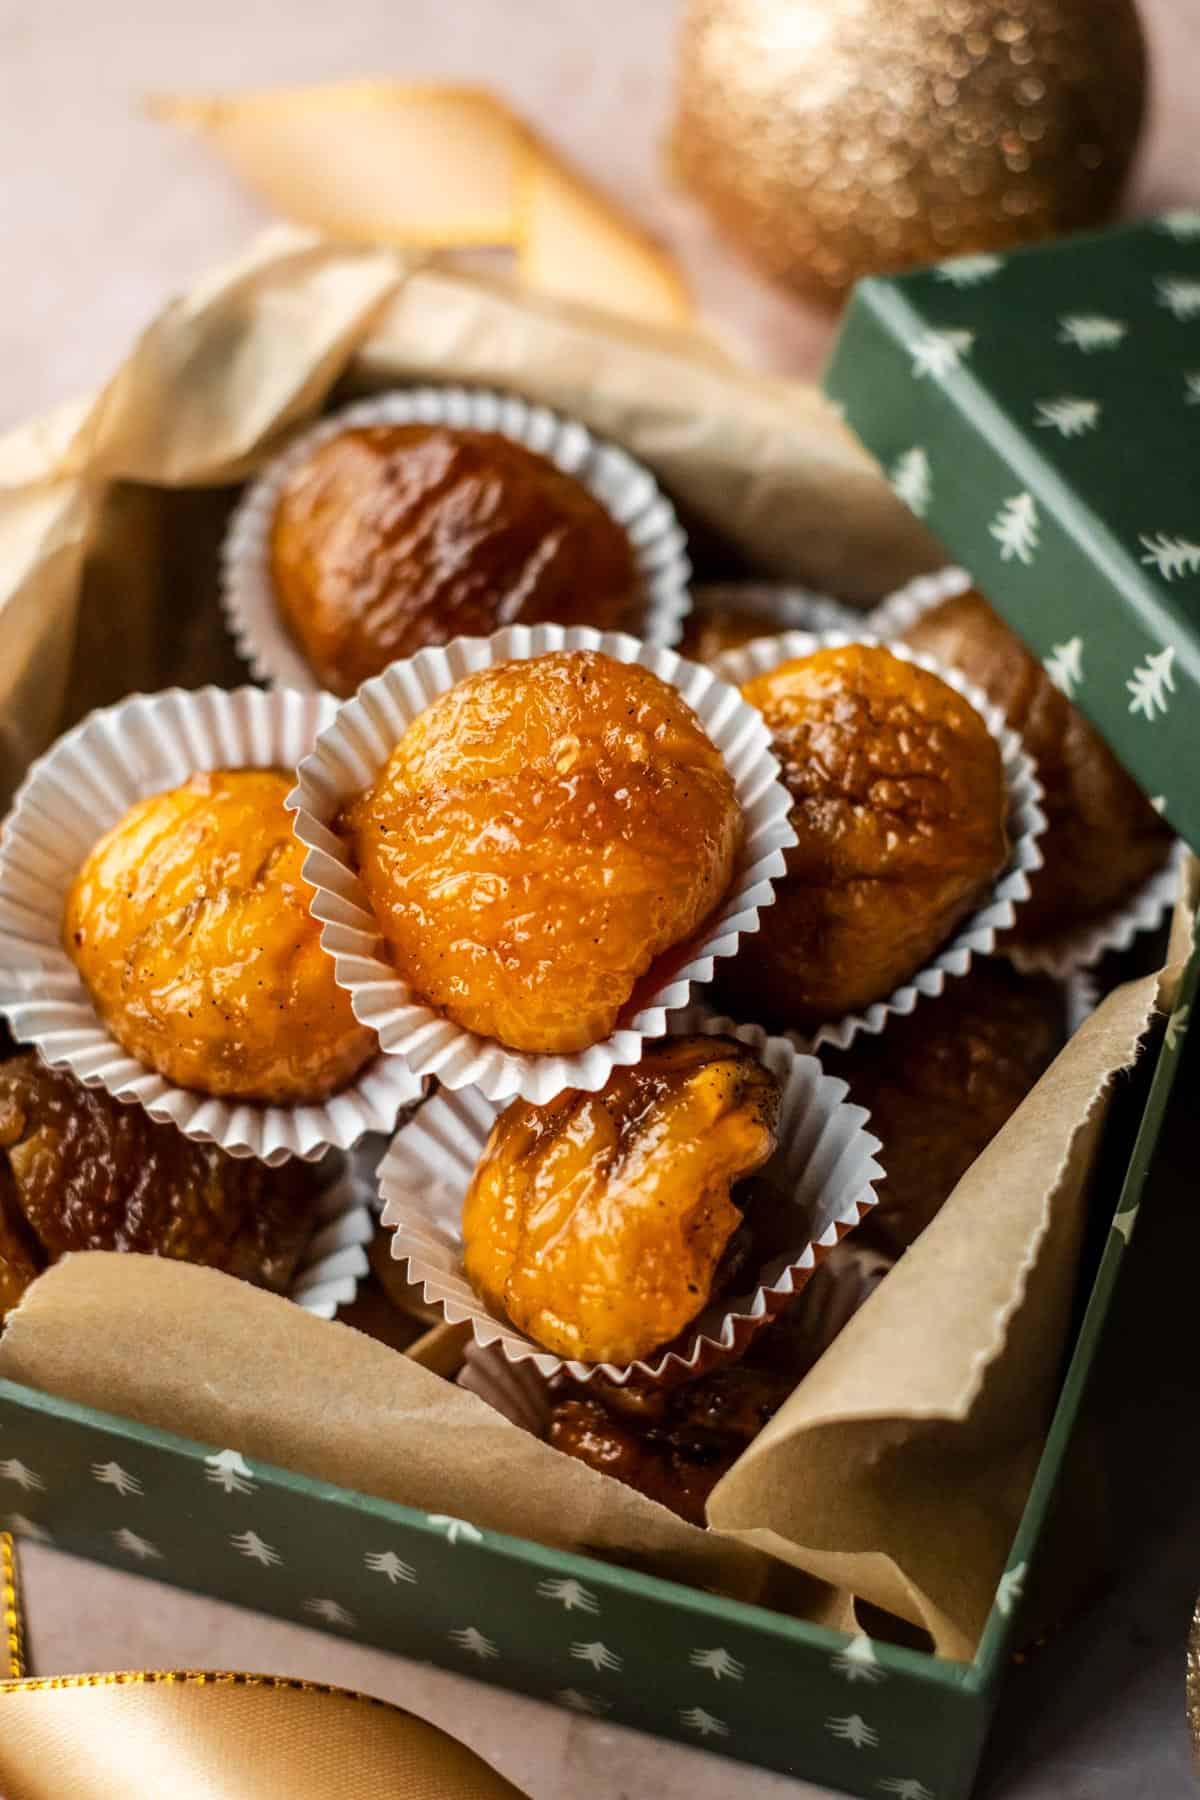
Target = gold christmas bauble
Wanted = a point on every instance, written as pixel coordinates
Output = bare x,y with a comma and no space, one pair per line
836,138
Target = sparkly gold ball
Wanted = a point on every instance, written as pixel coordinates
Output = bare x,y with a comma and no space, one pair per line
837,138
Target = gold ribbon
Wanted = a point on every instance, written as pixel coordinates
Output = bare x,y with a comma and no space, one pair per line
204,1735
432,166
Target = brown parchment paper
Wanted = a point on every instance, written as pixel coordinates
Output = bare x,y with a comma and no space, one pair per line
897,1470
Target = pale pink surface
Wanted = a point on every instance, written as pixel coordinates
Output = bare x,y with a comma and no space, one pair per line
105,214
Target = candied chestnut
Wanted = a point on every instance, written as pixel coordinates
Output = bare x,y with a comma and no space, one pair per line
899,806
940,1083
598,1222
390,537
1103,837
82,1171
189,925
542,832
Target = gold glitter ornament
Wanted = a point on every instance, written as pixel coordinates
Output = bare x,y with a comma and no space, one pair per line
837,138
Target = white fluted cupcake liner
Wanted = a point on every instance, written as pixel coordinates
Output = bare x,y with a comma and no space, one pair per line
358,743
335,1258
73,795
1026,822
825,1162
1145,909
626,490
788,607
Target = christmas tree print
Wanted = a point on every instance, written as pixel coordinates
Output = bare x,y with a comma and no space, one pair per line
1012,1586
133,1545
1171,556
1180,294
937,353
572,1596
1064,666
1191,385
905,1788
910,479
719,1664
468,1638
249,1544
1015,528
227,1469
111,1474
27,1479
598,1655
707,1724
388,1564
1183,224
1090,331
1123,1224
1068,416
858,1662
20,1526
456,1530
853,1730
1151,685
969,271
590,1705
331,1611
1176,1026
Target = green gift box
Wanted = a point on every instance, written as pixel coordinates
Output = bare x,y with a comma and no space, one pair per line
1041,413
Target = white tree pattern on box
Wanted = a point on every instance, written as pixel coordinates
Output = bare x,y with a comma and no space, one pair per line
591,1705
1180,295
1176,1026
468,1638
938,353
1064,666
1171,556
1124,1222
1151,685
718,1663
911,480
133,1545
853,1730
1068,415
228,1470
387,1563
598,1655
20,1526
332,1611
111,1474
1015,528
572,1596
456,1530
1191,384
906,1787
27,1479
1091,331
697,1718
858,1662
969,271
1182,223
249,1544
1012,1586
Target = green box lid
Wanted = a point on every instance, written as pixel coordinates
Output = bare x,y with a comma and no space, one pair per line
1041,412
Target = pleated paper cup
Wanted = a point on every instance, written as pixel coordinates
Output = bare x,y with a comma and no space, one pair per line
83,786
1146,908
783,605
356,746
1026,821
335,1258
627,491
825,1162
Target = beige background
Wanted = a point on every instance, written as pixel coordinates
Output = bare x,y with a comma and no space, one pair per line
102,215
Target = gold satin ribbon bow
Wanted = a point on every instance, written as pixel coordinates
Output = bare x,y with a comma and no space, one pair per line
434,166
198,1735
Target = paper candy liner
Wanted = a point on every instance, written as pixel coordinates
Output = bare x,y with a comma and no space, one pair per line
335,1260
825,1161
81,787
788,607
1145,909
626,490
351,751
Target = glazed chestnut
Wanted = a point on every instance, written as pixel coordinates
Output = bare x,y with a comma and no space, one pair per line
82,1171
597,1223
542,832
390,537
190,928
899,805
1103,837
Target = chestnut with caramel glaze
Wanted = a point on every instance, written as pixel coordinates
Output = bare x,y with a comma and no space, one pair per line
190,928
1103,837
541,833
899,805
941,1082
390,537
598,1222
82,1171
